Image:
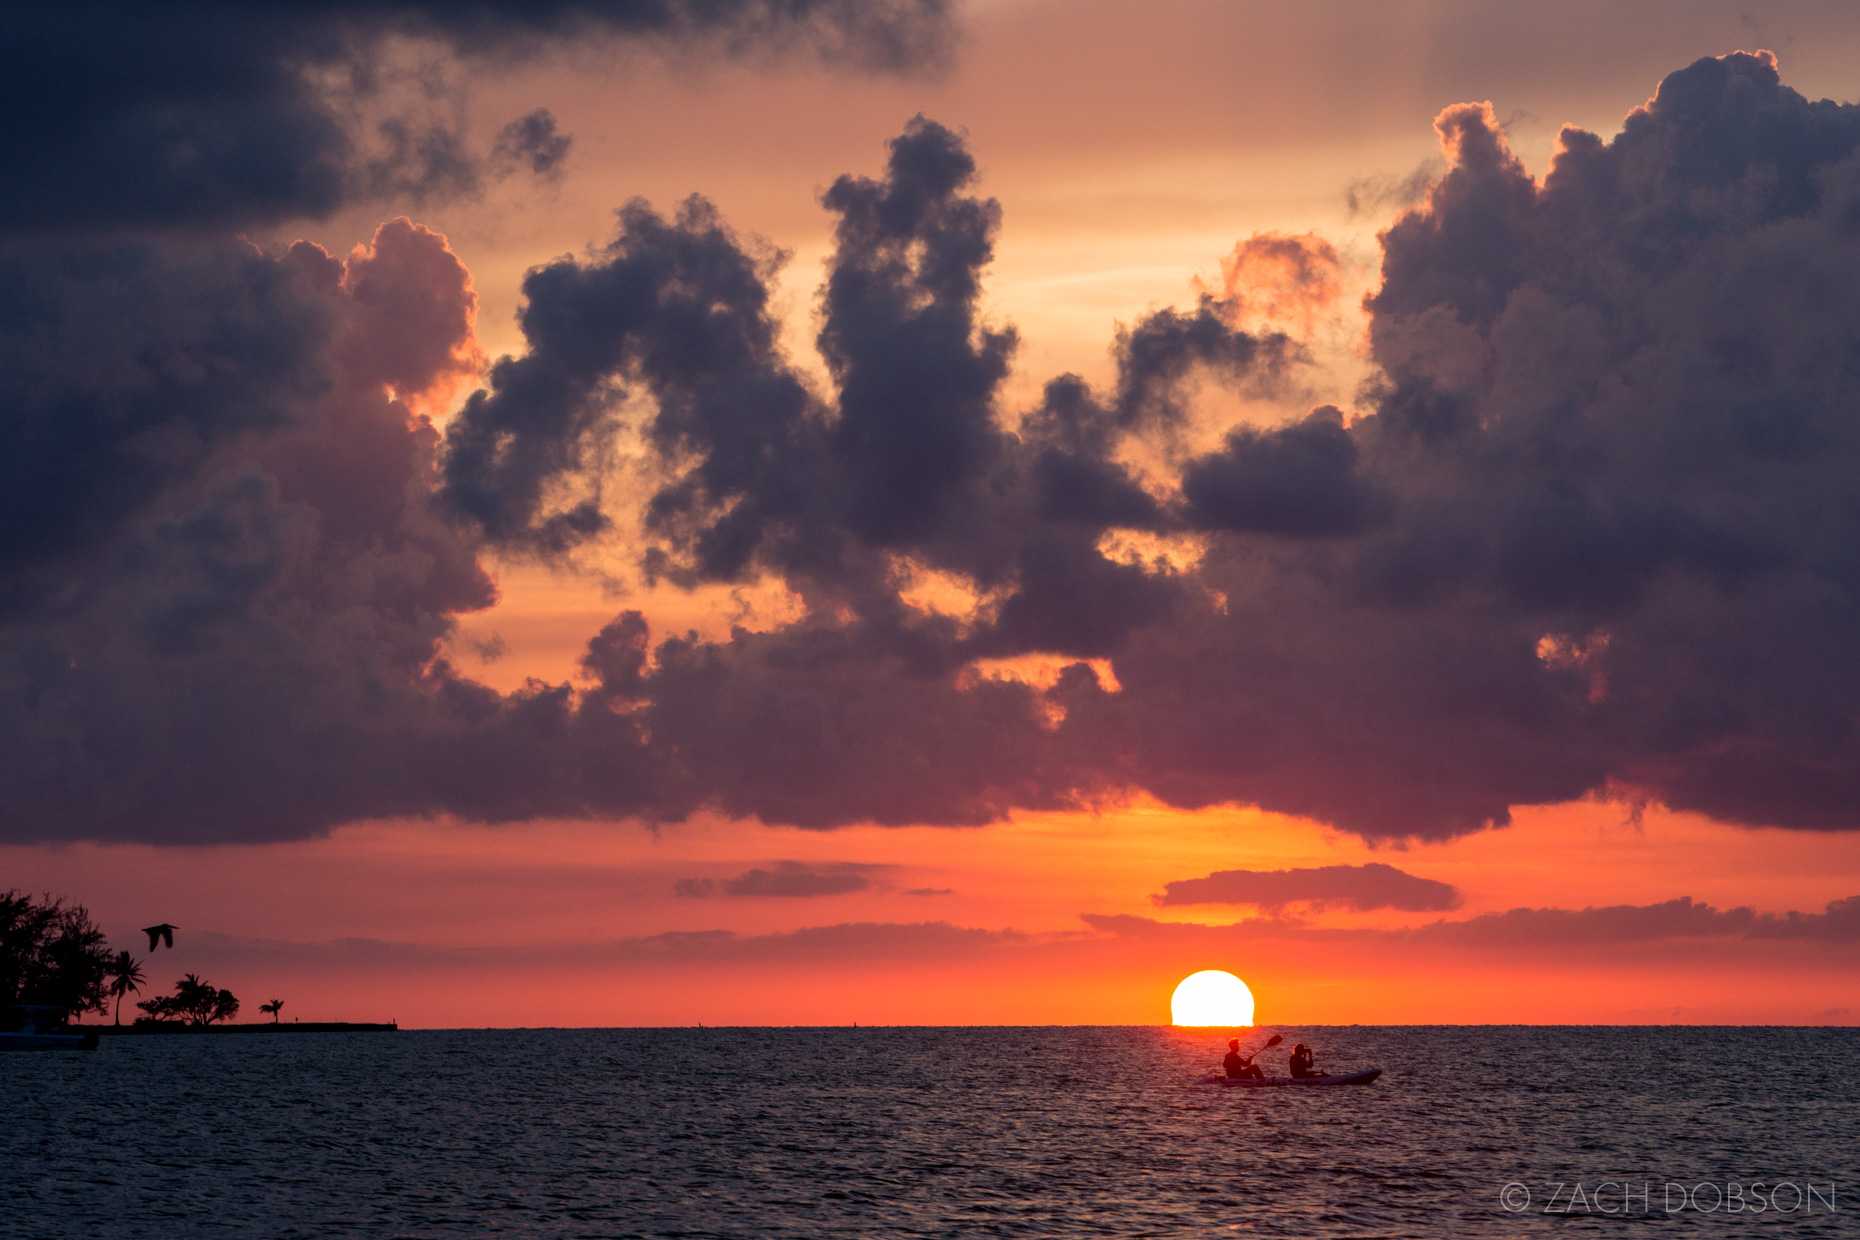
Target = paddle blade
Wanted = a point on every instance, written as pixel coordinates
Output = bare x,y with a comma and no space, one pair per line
1273,1041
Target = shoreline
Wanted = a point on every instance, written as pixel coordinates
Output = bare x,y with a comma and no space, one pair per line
177,1029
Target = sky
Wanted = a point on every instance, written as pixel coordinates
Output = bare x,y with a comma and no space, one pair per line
939,513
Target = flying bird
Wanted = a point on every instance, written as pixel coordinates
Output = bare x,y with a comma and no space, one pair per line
163,933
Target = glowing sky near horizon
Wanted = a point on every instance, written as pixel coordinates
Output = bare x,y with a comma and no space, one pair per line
1131,151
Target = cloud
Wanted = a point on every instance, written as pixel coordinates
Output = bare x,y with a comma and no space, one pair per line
1361,887
1621,923
224,614
209,115
1362,641
1590,533
1296,481
788,878
129,365
1379,192
1838,923
1530,927
1273,277
532,142
855,942
1130,926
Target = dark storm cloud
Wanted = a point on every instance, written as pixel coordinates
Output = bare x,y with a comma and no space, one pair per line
1299,480
680,305
910,459
788,878
1594,531
1361,887
1164,349
225,610
121,367
205,113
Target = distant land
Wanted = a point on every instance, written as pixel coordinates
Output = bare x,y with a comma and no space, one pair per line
150,1029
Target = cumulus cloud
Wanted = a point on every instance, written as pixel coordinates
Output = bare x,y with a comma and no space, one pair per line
237,637
1361,887
1591,532
1297,481
1278,278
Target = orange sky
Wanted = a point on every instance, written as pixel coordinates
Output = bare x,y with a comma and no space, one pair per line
1131,154
447,924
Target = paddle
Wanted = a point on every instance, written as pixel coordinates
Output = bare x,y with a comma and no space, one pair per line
1271,1042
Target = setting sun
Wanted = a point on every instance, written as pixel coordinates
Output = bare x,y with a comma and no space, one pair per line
1212,997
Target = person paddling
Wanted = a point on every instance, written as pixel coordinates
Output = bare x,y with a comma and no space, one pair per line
1301,1062
1241,1068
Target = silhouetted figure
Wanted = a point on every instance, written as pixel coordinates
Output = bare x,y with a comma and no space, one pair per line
163,933
1301,1061
1237,1068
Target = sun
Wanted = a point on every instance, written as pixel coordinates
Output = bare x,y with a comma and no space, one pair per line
1212,997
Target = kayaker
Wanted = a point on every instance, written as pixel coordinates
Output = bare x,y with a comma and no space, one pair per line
1301,1062
1237,1068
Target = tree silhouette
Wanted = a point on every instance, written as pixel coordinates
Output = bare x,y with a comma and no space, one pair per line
274,1007
225,1007
50,954
125,974
195,1001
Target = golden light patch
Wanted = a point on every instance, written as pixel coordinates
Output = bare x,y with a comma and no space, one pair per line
1041,670
1212,997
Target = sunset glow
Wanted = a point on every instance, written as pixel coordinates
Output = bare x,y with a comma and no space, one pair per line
1212,997
963,514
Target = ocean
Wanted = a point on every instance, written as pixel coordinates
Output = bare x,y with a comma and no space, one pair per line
882,1132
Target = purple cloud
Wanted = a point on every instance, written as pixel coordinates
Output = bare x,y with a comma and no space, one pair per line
787,878
1361,887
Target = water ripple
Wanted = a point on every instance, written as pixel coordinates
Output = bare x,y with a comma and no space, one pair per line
915,1132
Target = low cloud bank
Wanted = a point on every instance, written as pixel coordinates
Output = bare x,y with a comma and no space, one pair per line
1361,887
788,878
1682,918
854,942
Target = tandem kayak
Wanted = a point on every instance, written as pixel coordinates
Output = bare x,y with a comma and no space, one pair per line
1274,1082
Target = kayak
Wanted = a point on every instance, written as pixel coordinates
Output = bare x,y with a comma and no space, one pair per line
1273,1082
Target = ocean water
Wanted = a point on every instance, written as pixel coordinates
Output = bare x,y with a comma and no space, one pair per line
885,1132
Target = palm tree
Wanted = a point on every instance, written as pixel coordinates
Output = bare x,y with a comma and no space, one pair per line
274,1007
125,974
